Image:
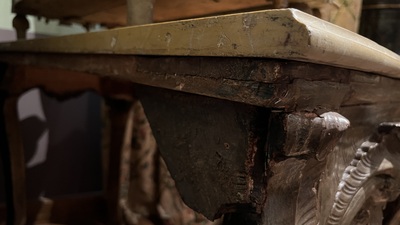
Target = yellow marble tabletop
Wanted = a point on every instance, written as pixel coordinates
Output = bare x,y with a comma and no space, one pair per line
282,34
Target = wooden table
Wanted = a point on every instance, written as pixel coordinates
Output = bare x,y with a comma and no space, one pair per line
269,117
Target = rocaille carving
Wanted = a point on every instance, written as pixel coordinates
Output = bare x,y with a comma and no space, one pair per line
370,180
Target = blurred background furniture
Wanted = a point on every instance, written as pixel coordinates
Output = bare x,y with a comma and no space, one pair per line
381,22
118,13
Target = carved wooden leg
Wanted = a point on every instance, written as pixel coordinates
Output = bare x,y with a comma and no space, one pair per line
119,114
21,26
13,158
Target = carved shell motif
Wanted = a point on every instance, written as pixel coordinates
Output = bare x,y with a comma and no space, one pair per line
370,181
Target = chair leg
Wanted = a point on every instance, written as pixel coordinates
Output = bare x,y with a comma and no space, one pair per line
119,116
14,163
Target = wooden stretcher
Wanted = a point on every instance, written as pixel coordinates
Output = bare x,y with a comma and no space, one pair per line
269,117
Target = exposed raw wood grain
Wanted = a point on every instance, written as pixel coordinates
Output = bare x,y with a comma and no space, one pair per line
285,34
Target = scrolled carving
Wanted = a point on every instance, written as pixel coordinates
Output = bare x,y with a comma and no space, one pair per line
302,134
370,180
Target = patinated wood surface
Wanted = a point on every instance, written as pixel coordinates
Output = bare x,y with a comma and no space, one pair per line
225,137
263,82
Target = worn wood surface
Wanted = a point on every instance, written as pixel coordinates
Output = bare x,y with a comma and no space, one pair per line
282,84
212,148
284,34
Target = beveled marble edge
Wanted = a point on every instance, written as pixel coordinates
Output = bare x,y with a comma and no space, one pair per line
284,34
